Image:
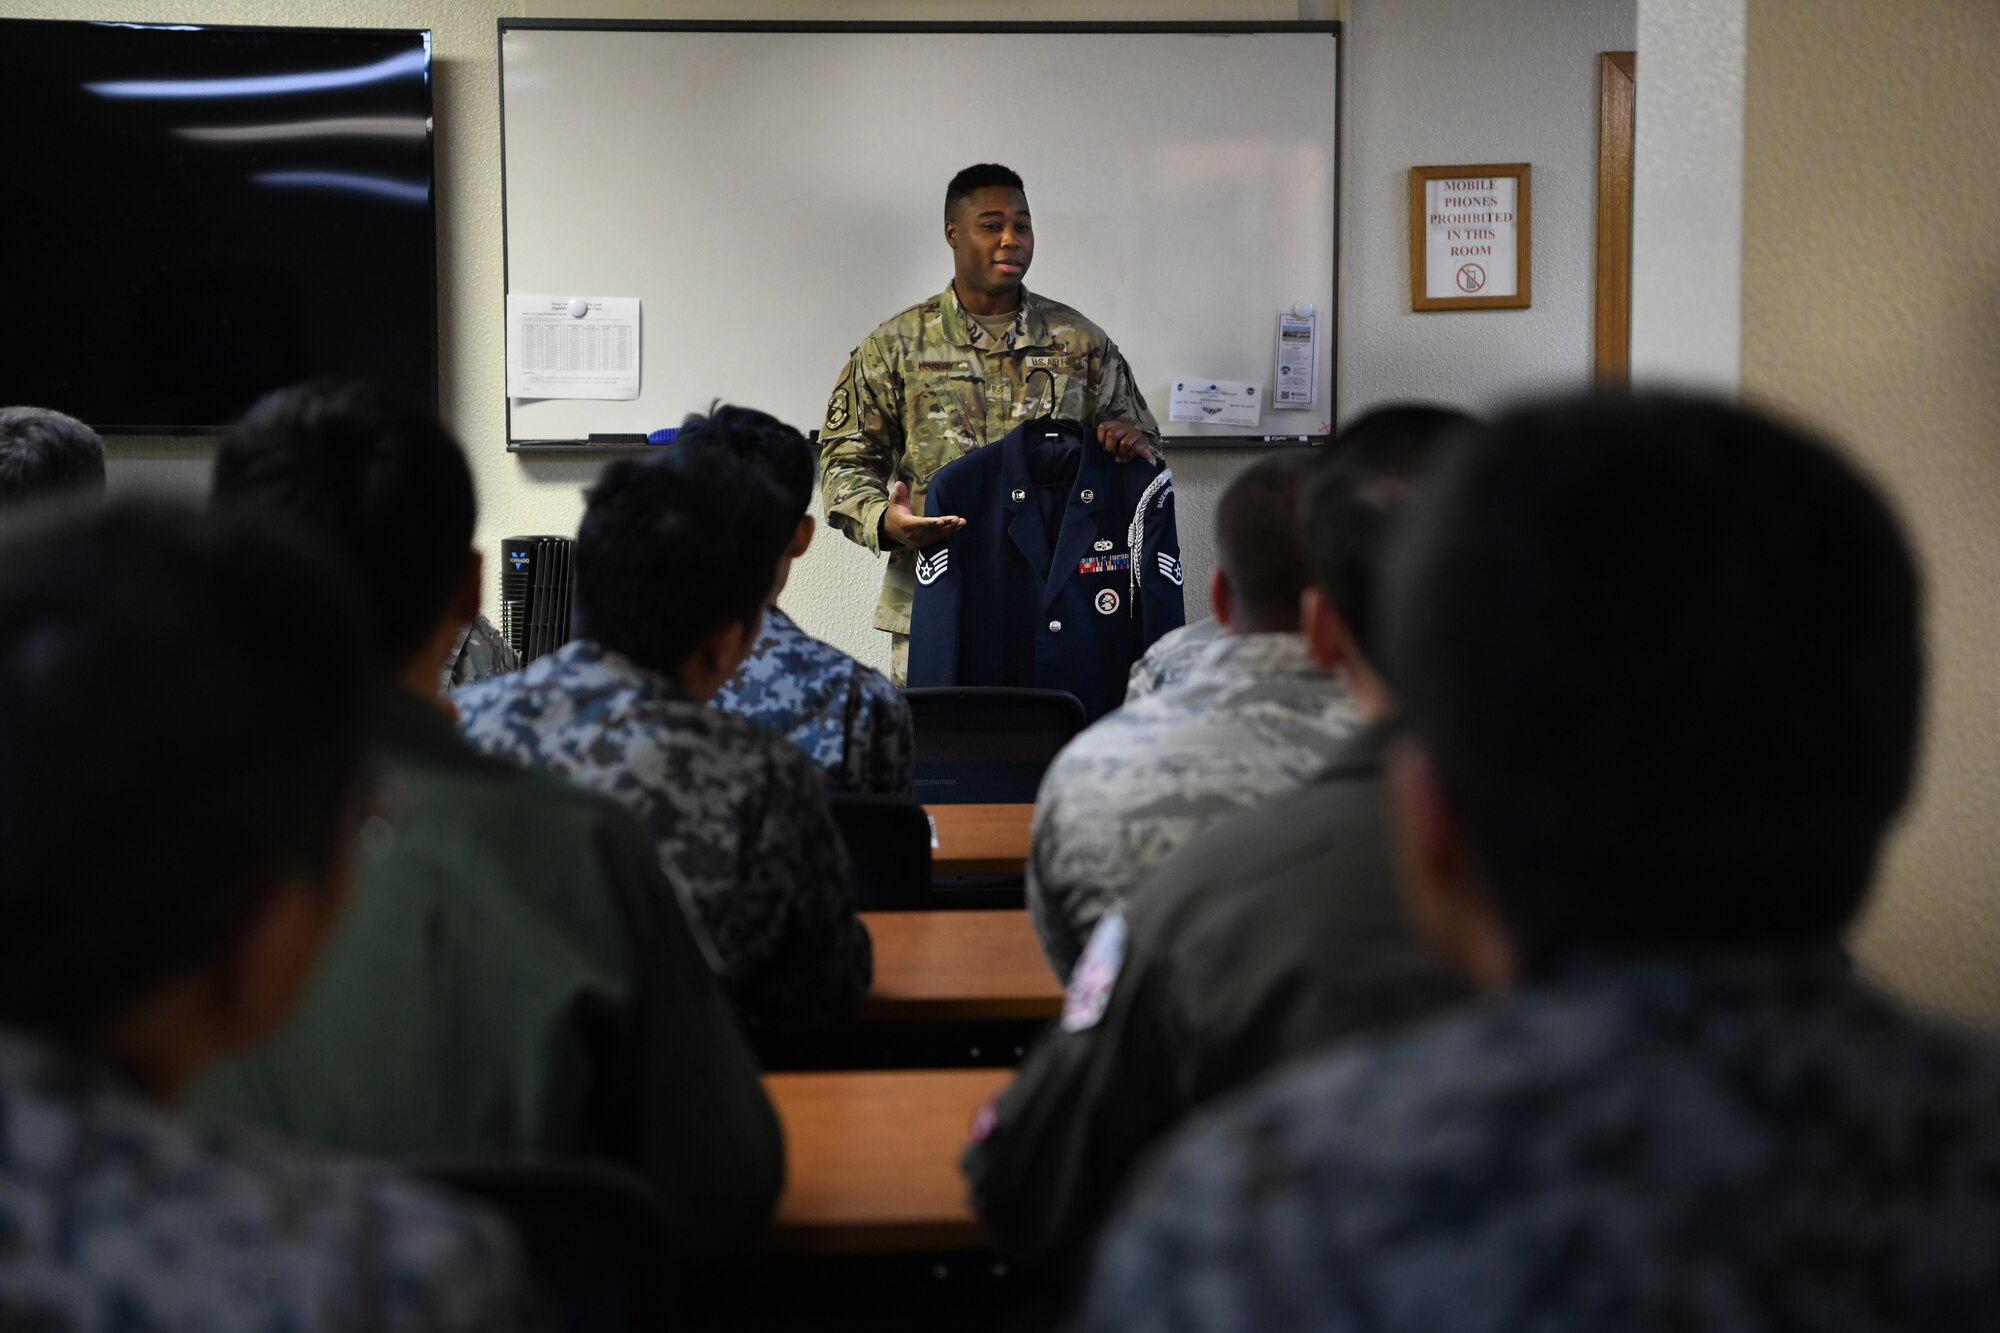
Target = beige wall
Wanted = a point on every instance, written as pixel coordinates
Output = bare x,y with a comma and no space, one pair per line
1871,306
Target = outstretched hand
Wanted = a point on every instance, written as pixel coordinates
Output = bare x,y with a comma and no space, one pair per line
1124,441
904,527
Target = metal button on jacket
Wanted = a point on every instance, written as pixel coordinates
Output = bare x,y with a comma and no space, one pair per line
1055,626
1088,495
1019,495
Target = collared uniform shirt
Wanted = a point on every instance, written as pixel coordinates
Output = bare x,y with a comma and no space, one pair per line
1277,932
931,385
118,1215
846,717
1736,1145
1170,657
736,809
514,977
1254,716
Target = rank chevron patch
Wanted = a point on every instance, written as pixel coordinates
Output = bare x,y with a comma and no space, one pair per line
931,568
1170,565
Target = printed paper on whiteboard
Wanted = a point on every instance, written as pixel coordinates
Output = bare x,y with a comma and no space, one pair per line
554,353
1297,360
1217,402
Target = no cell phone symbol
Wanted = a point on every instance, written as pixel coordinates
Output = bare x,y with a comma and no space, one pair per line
1471,277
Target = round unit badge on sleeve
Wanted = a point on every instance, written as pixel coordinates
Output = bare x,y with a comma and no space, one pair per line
1107,601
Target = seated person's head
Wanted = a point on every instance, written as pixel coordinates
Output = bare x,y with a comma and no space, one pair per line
1260,566
383,484
44,453
675,562
181,713
1354,496
1659,658
763,446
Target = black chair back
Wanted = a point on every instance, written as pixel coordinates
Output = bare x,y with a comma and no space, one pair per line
594,1236
990,743
889,844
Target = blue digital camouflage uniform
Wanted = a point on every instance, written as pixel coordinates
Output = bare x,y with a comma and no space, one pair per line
847,718
738,809
119,1216
1715,1144
1170,657
1255,716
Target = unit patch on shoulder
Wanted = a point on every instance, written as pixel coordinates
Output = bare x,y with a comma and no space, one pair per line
1088,994
1170,566
932,566
836,409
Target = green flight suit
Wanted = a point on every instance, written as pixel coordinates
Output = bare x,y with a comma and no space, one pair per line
932,385
515,978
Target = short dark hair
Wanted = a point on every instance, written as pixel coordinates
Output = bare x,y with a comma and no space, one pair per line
977,177
44,452
1257,542
181,711
672,548
1355,498
762,446
377,478
1665,653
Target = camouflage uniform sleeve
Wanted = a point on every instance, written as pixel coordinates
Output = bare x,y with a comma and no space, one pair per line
821,961
445,1266
861,445
1115,396
891,739
1065,898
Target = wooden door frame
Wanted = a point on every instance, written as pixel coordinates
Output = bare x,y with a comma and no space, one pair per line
1617,85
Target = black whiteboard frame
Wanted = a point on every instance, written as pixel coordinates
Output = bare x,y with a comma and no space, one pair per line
1212,27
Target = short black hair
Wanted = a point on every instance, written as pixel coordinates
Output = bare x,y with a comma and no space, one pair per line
977,177
1257,542
181,710
1355,498
762,446
1665,653
44,452
673,547
378,479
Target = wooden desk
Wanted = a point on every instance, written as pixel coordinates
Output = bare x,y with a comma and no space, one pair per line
980,839
872,1158
958,965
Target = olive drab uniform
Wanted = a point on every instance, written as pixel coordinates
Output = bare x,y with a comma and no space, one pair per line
930,386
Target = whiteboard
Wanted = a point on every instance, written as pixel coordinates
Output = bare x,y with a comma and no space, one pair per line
772,192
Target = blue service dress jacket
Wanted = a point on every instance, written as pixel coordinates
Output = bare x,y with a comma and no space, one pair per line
1058,585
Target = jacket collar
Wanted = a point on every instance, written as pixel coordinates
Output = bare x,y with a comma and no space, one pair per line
1029,329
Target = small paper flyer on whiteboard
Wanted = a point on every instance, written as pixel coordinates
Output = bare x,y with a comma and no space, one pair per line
1297,361
573,347
1216,402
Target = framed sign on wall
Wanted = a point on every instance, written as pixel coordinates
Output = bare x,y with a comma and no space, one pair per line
1469,237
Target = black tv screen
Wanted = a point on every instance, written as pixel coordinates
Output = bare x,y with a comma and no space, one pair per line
198,215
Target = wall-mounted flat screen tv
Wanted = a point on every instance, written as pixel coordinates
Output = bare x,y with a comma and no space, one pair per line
197,215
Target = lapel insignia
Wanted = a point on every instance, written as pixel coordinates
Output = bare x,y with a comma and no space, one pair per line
932,567
1170,566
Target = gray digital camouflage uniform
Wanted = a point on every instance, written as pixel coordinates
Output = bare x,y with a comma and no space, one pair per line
930,386
1170,657
738,809
847,718
119,1216
1254,716
480,652
1737,1145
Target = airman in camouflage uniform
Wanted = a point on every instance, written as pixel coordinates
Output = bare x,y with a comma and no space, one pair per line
737,808
1727,1144
121,1216
480,652
938,381
1169,658
846,717
1255,716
